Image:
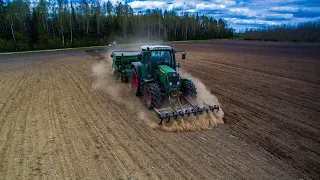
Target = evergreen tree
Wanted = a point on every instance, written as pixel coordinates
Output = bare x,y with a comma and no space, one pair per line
73,23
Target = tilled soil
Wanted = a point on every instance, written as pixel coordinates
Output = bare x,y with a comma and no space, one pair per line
270,93
55,125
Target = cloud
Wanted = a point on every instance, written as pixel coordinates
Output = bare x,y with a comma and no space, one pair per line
307,12
114,2
277,16
182,6
250,21
225,2
209,7
239,13
284,9
147,4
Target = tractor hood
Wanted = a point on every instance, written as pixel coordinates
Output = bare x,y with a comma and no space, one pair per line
169,76
165,68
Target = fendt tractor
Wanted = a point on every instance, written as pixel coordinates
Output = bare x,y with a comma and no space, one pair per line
153,74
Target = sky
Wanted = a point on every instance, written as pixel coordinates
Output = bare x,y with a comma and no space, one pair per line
240,14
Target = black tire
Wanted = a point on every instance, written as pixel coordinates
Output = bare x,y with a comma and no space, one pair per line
152,95
189,89
134,82
115,74
125,79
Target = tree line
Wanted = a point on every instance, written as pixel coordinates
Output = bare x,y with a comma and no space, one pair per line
73,23
303,32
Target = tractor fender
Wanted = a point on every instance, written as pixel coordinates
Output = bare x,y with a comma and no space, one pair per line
136,66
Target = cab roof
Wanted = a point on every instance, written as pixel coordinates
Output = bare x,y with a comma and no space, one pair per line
156,47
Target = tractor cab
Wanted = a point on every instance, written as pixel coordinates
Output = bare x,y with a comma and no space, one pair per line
158,55
160,65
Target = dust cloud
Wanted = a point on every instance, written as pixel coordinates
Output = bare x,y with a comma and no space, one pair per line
204,96
102,75
104,79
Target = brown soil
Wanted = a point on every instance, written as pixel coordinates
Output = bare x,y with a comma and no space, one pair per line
54,124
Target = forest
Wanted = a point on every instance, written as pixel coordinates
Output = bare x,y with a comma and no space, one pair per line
50,24
76,23
303,32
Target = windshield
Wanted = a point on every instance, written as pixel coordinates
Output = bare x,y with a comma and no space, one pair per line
161,57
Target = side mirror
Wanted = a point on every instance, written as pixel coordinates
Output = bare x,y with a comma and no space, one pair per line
178,65
139,57
184,56
111,55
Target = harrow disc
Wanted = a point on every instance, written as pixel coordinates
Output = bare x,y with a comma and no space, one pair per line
195,110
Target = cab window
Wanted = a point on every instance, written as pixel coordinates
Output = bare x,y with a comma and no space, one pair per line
161,57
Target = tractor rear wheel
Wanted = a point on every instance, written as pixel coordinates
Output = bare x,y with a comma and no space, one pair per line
134,81
189,89
152,95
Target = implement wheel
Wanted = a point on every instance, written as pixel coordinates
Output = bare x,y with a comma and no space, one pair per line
152,95
134,81
189,89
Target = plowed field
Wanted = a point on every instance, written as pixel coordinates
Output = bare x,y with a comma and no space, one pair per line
54,123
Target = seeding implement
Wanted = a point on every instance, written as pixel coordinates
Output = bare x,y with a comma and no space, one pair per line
121,63
153,73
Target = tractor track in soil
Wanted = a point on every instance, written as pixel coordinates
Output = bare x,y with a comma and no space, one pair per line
54,125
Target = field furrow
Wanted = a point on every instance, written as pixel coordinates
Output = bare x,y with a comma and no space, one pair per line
56,124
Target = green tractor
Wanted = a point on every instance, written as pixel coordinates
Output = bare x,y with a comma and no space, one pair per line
154,75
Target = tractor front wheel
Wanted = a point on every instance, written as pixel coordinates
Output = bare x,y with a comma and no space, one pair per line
152,95
124,79
189,89
134,81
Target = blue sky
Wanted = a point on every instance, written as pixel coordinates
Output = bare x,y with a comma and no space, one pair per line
241,14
